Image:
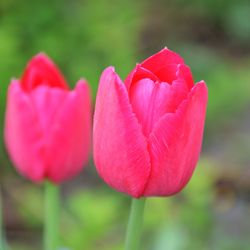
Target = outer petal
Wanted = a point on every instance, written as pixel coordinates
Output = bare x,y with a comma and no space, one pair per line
23,134
175,145
41,70
67,146
47,101
161,60
120,149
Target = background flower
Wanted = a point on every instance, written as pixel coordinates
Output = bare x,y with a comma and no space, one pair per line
47,127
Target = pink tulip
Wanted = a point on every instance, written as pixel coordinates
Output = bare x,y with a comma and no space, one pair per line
148,131
47,125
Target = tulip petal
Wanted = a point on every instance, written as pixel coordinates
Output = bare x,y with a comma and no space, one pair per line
179,92
68,143
47,101
161,60
120,148
137,74
171,72
41,70
175,144
23,134
167,73
150,101
184,74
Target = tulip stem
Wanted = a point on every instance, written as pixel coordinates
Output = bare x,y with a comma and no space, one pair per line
51,229
135,223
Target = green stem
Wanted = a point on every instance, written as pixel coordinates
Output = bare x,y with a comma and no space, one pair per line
51,229
135,224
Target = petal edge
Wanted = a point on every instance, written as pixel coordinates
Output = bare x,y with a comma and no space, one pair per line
175,145
120,149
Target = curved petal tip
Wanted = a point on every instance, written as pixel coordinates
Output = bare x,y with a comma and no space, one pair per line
41,70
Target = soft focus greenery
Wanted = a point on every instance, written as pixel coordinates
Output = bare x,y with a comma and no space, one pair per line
84,37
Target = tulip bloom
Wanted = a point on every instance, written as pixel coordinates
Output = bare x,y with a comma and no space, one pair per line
47,125
148,131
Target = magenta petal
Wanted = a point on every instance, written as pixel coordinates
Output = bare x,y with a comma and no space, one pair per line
161,59
42,71
137,74
120,149
167,73
68,142
23,134
46,102
184,74
149,102
175,144
179,93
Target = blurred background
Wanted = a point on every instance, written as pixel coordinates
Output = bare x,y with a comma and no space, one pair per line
84,37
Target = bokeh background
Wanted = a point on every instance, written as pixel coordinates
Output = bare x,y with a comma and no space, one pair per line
84,37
